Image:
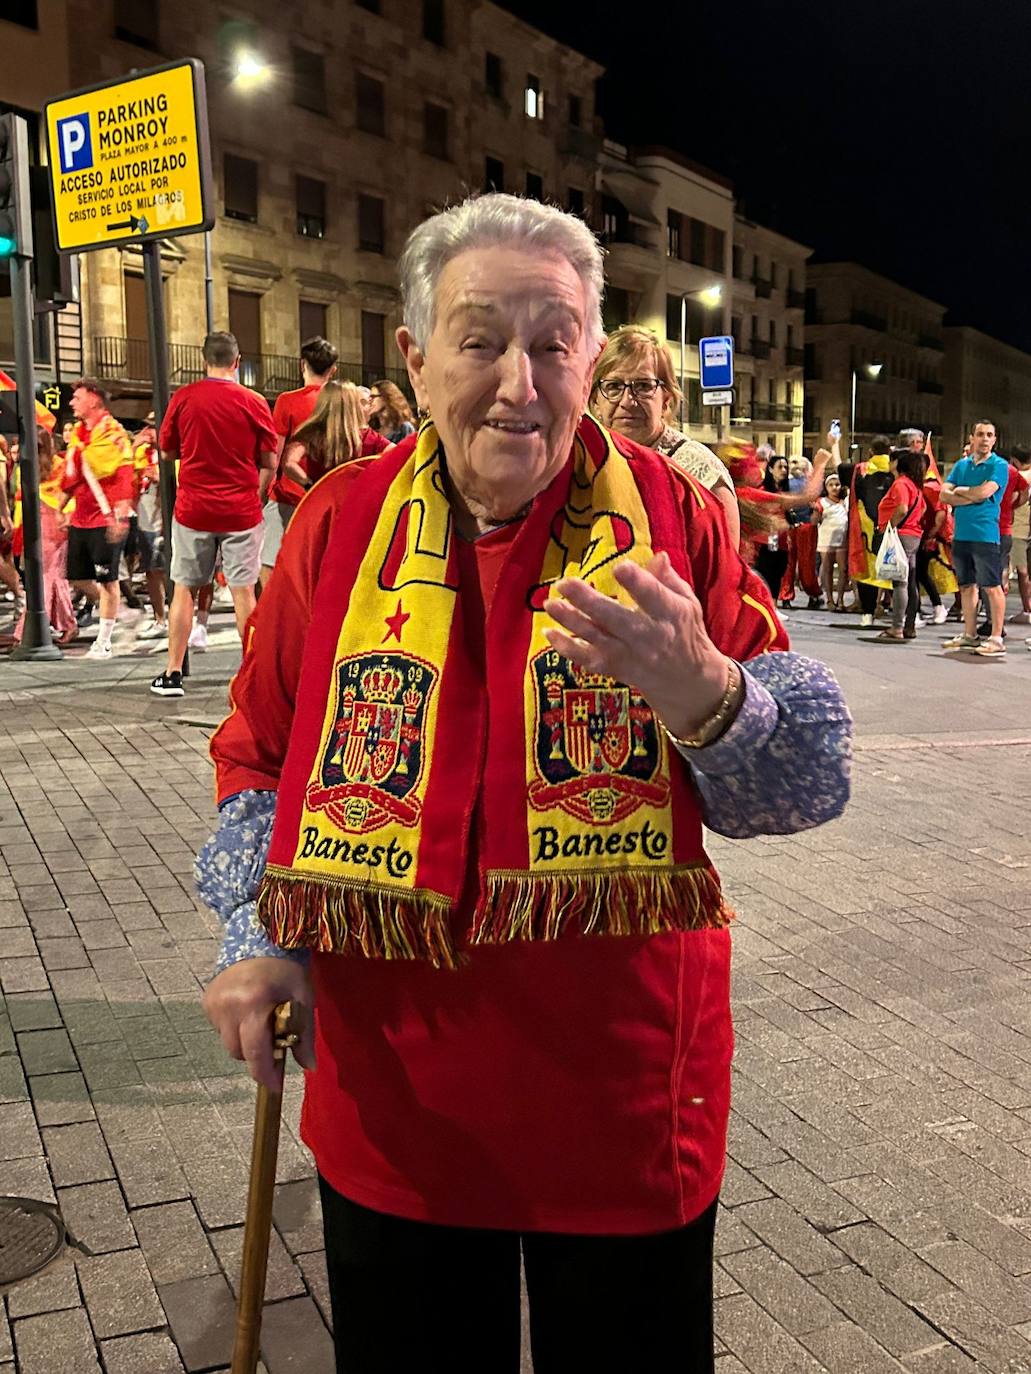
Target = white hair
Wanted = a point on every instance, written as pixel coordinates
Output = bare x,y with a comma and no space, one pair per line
497,219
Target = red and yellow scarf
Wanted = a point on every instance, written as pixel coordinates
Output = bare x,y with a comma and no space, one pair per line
402,731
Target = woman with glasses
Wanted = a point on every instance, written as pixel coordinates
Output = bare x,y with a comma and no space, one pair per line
390,415
635,393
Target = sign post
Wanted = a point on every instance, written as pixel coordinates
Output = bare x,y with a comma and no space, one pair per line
716,374
36,643
130,162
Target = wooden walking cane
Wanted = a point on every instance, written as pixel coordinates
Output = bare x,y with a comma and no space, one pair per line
286,1029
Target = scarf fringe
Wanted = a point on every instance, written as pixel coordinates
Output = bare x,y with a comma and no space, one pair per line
518,906
342,918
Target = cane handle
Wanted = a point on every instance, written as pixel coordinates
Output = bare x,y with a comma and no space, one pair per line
286,1028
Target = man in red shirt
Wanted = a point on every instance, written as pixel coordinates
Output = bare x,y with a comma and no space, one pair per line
221,433
98,474
292,408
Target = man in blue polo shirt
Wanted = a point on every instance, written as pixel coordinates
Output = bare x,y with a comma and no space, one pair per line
975,490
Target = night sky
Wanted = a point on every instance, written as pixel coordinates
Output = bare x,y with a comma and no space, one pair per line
894,134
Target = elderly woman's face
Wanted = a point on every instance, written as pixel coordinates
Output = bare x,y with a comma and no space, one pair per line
505,374
637,415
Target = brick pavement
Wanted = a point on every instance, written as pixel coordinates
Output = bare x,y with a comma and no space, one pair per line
877,1208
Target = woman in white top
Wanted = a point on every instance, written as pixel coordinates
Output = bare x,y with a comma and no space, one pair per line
830,515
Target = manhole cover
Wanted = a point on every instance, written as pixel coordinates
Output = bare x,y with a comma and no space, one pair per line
31,1234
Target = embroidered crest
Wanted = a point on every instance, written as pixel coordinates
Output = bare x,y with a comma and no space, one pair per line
596,746
373,760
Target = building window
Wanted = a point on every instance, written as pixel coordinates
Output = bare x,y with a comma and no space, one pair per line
533,99
576,111
773,333
493,174
371,224
674,224
701,321
136,21
739,264
312,320
704,244
311,207
309,79
534,186
575,201
23,12
241,188
433,21
617,308
370,104
492,75
434,130
373,350
245,323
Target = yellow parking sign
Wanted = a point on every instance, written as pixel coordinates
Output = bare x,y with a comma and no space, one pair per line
130,160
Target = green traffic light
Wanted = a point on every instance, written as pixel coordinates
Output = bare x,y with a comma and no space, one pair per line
7,246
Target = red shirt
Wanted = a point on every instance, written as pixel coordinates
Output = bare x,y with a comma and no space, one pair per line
108,451
579,1085
1015,486
372,444
291,410
218,429
903,492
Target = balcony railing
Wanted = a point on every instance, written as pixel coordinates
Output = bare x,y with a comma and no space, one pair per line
794,357
763,285
868,321
930,341
760,348
796,299
128,360
772,412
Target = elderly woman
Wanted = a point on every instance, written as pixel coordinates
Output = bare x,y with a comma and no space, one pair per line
503,675
635,393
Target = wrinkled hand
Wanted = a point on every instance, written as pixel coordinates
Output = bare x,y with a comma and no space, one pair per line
660,645
239,1003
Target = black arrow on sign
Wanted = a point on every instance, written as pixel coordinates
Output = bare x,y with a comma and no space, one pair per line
132,224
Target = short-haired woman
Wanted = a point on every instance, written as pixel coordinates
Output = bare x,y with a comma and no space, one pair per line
501,676
391,415
635,392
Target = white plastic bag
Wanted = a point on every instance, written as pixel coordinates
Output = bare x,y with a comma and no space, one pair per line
892,560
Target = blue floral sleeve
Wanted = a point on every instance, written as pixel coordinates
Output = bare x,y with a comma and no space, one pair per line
785,764
228,871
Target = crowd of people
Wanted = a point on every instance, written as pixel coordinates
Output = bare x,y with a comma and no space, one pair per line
241,470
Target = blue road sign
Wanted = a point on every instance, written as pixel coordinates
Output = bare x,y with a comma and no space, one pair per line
716,362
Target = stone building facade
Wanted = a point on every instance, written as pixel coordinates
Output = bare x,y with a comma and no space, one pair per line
985,379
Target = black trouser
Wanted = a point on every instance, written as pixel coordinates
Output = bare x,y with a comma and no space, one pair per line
923,575
412,1298
770,564
868,597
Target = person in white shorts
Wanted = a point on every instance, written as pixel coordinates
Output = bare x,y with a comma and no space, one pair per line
830,516
223,437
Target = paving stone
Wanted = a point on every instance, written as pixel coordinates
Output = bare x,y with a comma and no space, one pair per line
761,1345
822,1206
789,1236
6,1342
313,1267
294,1339
53,1290
33,1011
201,1315
297,1214
19,1137
943,1359
120,1296
849,1350
28,1178
149,1352
791,1300
879,1313
283,1279
174,1243
46,1051
57,1341
95,1215
989,1341
23,975
148,1171
981,1279
77,1154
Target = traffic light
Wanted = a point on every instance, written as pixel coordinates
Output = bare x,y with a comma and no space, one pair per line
15,208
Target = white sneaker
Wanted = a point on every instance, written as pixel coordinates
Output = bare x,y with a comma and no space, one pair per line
939,615
198,638
157,629
866,621
222,597
98,650
919,623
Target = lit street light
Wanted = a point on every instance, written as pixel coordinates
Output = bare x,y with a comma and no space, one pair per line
873,371
709,296
250,70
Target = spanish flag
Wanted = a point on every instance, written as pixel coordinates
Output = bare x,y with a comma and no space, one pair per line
44,417
932,465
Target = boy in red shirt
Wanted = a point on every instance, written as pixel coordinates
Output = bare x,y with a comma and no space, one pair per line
98,474
221,433
292,408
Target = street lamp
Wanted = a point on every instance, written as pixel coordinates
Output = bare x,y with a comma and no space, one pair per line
709,296
873,371
249,69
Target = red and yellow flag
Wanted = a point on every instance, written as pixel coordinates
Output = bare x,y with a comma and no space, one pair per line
44,417
932,465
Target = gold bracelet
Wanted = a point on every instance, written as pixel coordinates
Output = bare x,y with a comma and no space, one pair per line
720,718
